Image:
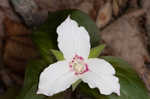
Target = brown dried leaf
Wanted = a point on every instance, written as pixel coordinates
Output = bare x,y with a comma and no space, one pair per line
20,49
5,10
1,25
14,28
125,40
1,44
86,7
97,4
146,6
115,7
134,3
104,15
4,3
17,52
16,65
54,5
122,3
5,77
18,46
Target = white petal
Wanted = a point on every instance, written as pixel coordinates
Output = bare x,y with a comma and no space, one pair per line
107,84
100,66
73,39
56,78
101,75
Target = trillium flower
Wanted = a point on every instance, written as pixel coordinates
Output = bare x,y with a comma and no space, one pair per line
74,43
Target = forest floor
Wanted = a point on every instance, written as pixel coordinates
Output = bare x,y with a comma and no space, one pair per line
124,28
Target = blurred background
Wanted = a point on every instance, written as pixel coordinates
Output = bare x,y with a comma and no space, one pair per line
124,28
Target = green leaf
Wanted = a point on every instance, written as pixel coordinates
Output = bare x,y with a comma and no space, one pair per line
45,39
33,71
59,56
45,36
74,85
131,85
84,20
95,52
57,96
31,81
11,93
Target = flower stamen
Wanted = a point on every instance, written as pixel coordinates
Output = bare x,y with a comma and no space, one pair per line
78,65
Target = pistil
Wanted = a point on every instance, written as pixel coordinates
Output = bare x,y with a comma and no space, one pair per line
78,65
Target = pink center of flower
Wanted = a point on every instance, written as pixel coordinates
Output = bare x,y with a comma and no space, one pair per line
78,65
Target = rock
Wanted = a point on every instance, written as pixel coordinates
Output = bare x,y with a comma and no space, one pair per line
30,12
